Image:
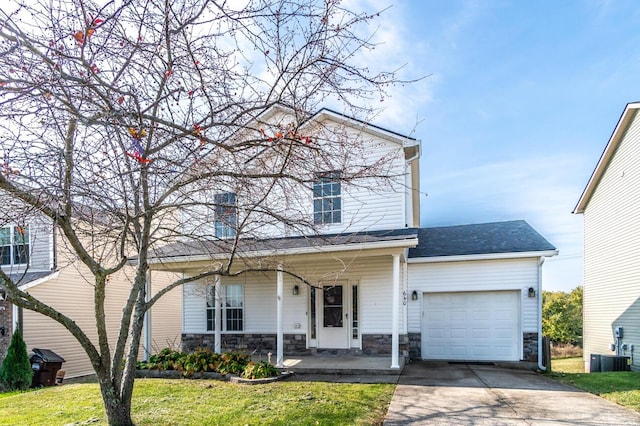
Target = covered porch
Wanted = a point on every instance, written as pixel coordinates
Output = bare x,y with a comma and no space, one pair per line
353,302
342,365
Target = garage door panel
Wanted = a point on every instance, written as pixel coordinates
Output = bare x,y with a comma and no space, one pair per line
458,333
482,315
480,326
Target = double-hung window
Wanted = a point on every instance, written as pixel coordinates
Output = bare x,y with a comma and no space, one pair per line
226,215
327,198
14,245
232,307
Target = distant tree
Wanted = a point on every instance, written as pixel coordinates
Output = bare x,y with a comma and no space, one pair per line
562,315
16,371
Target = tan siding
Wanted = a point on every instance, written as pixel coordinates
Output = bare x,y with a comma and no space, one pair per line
611,251
72,294
479,275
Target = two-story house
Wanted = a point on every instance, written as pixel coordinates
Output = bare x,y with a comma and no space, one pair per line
371,282
35,256
609,205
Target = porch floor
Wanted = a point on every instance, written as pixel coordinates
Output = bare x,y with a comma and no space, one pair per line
342,365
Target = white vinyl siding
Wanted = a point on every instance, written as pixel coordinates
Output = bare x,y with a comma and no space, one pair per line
612,250
478,275
40,247
372,275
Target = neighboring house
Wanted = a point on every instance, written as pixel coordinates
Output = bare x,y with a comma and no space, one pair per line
379,285
54,275
610,205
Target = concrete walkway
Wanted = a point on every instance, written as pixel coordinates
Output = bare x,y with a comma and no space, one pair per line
438,393
343,365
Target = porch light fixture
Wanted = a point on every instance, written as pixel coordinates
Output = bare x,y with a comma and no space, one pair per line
296,290
414,295
532,292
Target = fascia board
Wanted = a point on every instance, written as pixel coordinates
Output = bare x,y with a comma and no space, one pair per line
487,256
397,138
618,133
39,281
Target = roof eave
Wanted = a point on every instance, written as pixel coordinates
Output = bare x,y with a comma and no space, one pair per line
623,123
404,243
484,256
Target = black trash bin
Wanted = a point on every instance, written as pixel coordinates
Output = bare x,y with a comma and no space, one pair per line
45,365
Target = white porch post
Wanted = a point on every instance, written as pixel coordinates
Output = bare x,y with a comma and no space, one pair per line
395,313
147,319
279,303
218,314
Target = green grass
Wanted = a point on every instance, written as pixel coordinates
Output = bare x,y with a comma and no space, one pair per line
567,365
621,387
196,402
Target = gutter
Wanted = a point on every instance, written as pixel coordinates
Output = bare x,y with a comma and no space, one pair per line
485,256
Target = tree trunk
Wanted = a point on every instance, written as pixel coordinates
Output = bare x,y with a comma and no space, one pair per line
118,413
118,410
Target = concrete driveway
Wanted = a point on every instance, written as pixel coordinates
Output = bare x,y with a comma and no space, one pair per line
464,394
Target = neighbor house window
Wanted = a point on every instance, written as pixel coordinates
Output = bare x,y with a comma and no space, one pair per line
327,201
14,245
232,307
226,215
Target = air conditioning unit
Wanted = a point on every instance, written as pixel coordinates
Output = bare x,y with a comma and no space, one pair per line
615,363
594,364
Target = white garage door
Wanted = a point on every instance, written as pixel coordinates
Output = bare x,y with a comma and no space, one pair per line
471,326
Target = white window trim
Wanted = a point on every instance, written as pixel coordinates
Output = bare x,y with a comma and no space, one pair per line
12,245
223,308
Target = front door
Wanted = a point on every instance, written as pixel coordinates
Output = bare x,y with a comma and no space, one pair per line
333,317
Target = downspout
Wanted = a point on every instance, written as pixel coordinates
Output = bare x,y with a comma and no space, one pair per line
540,366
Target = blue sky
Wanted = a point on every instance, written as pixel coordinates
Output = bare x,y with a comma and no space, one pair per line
520,100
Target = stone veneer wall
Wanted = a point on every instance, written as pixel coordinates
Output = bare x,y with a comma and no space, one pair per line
530,347
380,344
294,344
415,345
6,325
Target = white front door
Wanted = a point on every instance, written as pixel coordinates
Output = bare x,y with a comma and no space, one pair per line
333,316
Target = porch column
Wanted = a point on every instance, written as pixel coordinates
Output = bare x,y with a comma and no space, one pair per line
279,334
395,313
147,319
217,348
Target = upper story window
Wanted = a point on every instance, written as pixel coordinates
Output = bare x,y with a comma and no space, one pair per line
327,201
226,215
14,245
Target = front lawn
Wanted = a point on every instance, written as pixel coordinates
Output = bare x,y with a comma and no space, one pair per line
196,402
621,387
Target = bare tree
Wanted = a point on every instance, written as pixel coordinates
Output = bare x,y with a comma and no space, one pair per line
120,120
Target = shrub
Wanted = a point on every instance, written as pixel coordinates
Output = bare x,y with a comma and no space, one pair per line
16,372
261,370
200,361
233,363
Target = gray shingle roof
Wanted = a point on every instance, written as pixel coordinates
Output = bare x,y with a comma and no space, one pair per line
482,238
22,278
195,248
